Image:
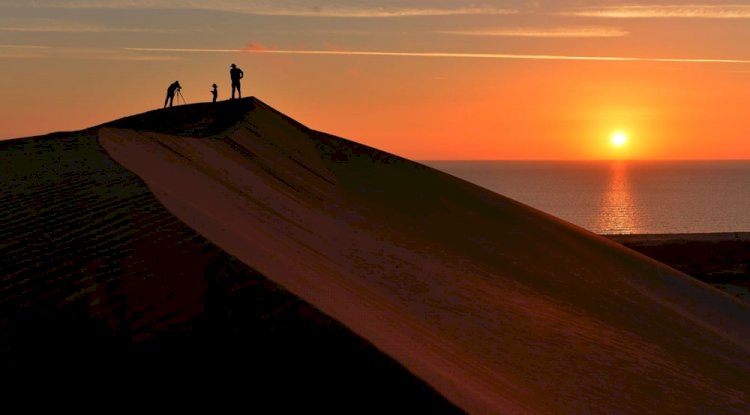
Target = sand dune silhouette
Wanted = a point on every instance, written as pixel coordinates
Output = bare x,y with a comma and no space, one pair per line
497,306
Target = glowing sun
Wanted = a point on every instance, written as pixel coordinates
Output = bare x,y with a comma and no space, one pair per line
619,139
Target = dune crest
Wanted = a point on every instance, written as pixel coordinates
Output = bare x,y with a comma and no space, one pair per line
501,308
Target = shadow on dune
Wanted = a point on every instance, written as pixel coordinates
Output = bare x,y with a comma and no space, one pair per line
101,282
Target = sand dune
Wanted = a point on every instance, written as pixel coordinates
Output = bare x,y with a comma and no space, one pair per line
103,292
501,308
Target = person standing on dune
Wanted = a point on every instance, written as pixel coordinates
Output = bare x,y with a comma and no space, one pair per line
214,92
236,74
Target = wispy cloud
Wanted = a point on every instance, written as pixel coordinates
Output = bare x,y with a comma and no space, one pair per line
38,25
705,11
20,51
5,55
565,32
378,12
268,8
23,47
50,52
255,47
142,58
440,55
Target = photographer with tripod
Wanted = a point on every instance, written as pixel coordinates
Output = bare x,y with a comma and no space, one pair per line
173,88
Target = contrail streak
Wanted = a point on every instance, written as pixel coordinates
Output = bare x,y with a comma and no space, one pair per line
441,55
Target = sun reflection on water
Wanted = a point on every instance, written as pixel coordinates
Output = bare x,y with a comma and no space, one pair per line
617,211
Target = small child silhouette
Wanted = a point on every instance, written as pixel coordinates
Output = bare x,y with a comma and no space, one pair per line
214,92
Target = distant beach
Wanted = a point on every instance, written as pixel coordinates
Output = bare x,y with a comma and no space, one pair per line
720,259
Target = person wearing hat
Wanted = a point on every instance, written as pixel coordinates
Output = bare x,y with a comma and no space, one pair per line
236,74
214,92
175,86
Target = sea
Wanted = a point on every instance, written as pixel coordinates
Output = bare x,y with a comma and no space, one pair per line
623,197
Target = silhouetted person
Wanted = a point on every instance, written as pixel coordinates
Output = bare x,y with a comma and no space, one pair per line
170,93
214,92
236,74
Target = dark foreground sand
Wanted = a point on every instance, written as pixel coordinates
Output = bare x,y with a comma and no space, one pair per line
105,293
498,307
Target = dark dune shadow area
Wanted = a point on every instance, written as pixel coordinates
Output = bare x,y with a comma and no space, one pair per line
99,280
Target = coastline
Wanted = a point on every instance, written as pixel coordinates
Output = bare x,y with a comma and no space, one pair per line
721,259
659,238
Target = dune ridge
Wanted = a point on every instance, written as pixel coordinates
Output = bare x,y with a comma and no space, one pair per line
500,307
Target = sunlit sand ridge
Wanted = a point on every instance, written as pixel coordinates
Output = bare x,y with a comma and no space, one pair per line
500,307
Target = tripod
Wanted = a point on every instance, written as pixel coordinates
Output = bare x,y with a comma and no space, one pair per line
179,94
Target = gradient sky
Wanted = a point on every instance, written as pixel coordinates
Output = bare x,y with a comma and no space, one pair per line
443,79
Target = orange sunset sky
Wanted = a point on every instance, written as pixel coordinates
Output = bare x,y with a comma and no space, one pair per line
441,79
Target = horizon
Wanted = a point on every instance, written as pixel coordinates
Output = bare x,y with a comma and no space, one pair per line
426,80
419,159
414,159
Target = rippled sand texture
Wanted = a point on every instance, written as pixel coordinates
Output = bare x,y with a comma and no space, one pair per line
104,292
501,308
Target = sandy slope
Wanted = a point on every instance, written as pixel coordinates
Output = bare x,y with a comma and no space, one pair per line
502,308
106,295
